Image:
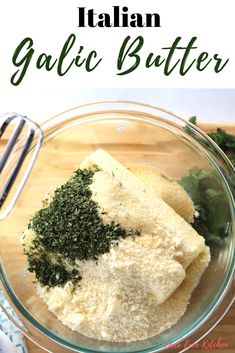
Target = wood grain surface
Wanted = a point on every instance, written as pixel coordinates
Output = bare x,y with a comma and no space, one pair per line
223,332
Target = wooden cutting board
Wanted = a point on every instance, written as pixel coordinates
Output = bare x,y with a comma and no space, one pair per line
225,330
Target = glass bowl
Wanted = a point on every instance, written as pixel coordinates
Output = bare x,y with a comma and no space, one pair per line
135,134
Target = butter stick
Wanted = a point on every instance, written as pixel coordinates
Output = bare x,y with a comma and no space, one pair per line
156,216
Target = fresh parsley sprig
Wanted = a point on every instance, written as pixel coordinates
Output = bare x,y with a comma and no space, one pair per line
213,217
224,140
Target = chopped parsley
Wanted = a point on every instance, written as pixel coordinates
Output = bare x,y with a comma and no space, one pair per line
70,228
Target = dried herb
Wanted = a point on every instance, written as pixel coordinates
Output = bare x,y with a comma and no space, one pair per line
69,229
49,273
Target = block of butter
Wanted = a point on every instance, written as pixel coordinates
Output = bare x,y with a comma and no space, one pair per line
133,203
164,186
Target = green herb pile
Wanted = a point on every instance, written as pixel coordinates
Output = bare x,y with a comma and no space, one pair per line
70,229
207,194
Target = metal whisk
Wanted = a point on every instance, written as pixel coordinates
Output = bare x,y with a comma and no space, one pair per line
33,139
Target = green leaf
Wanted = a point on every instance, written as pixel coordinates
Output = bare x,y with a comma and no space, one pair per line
193,120
207,193
211,203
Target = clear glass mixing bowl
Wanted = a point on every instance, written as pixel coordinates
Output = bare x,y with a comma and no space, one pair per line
134,134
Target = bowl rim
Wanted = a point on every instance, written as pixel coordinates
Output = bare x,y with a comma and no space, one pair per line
46,126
